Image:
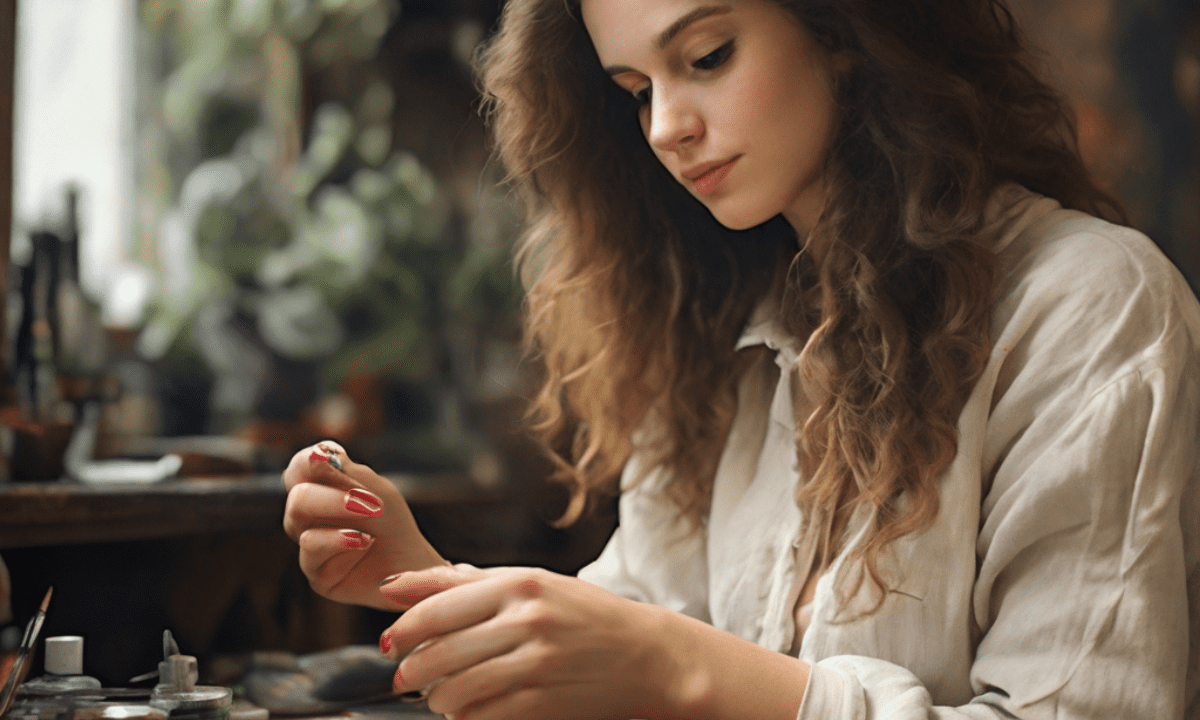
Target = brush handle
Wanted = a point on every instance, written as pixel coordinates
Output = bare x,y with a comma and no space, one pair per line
20,666
15,677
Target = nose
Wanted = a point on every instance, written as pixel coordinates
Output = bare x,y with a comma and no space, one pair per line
673,121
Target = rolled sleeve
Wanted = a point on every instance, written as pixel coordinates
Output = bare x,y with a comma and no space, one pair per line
654,556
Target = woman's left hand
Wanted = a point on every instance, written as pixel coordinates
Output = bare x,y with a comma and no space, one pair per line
516,642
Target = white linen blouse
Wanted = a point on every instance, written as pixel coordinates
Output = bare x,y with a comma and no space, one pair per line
1059,579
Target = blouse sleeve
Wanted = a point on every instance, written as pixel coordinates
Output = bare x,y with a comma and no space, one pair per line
653,556
1086,587
1082,576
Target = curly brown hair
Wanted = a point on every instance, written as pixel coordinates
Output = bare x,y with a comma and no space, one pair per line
636,295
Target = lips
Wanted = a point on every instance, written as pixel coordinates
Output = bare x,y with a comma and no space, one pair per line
706,177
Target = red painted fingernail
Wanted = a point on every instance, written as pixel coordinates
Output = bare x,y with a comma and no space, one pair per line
356,538
385,645
363,502
398,681
389,579
317,455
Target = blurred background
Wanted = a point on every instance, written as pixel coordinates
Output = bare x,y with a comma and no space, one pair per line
239,226
287,210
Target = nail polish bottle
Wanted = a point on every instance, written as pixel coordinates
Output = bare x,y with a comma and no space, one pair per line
64,669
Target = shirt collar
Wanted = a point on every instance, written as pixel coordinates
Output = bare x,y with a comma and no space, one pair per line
765,327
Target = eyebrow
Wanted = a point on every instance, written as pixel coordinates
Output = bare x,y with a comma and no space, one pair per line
666,36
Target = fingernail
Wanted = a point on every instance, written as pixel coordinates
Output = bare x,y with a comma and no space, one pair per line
385,645
389,578
333,451
398,681
324,452
363,502
356,538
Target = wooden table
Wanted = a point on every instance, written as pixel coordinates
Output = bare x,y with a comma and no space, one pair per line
209,560
206,558
68,513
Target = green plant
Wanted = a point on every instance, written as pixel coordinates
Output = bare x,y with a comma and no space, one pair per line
310,241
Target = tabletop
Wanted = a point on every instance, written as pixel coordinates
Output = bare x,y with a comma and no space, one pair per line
63,512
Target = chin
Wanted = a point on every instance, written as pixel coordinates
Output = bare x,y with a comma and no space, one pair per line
740,219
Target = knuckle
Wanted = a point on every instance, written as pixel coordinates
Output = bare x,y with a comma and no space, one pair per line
300,455
544,657
537,623
530,583
306,541
299,500
311,541
296,519
529,588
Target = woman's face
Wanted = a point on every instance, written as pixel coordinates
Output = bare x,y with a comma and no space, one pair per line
736,100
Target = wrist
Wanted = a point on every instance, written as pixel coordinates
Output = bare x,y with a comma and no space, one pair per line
681,676
710,674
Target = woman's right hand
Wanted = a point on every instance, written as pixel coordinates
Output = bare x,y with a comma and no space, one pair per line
353,526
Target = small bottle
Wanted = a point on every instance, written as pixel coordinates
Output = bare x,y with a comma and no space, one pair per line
64,669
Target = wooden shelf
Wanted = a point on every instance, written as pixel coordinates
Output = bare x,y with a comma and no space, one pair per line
66,513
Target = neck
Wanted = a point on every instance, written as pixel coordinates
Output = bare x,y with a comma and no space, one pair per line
802,216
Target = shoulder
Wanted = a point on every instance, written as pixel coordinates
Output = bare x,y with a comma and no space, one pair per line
1069,260
1091,400
1081,295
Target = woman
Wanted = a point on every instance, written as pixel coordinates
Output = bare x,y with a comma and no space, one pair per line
902,427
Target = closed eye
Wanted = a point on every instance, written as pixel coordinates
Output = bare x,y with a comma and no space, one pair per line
716,58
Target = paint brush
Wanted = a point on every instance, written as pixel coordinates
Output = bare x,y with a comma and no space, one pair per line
20,666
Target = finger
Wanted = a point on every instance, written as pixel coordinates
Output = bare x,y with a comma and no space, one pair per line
457,651
318,505
328,555
409,588
326,463
452,600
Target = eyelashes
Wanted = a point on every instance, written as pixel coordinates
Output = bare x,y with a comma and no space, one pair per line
716,58
706,63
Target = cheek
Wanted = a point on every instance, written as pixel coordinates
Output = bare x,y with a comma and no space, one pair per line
759,103
790,90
